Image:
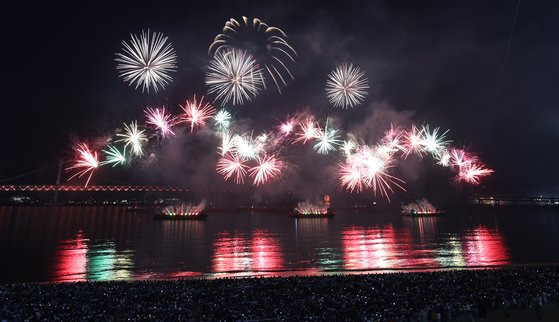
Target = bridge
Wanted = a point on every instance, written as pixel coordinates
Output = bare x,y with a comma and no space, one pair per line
112,188
515,200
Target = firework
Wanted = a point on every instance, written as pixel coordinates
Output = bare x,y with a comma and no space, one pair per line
413,142
433,142
309,208
222,119
421,206
146,61
327,140
234,76
161,120
444,159
133,137
346,86
267,169
393,139
86,162
460,158
184,209
348,146
196,112
309,131
366,169
227,143
232,165
473,172
287,127
246,146
268,45
114,156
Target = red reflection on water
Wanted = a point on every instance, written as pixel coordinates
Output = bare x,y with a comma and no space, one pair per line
485,247
376,248
71,260
236,252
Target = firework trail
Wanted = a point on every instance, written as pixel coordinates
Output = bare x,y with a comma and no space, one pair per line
114,156
133,137
234,76
473,172
161,120
232,165
268,45
308,207
421,206
309,131
86,162
196,112
346,86
222,119
267,169
327,140
432,142
146,61
366,169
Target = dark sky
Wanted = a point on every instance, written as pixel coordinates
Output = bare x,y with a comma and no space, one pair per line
438,60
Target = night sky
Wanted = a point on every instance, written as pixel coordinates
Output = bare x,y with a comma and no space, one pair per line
439,62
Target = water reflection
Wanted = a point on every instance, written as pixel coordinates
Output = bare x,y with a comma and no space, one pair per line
76,261
485,247
237,252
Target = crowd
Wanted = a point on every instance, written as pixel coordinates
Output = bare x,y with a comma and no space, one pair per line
438,296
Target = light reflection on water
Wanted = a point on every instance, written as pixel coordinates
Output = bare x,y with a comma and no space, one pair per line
110,244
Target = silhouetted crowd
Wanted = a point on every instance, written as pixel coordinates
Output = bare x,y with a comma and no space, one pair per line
438,296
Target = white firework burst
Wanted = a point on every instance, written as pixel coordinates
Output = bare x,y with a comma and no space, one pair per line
222,119
147,61
346,86
234,76
133,137
268,45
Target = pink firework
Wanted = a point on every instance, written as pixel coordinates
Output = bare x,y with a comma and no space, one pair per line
309,131
86,162
161,120
230,166
460,158
393,139
367,169
197,112
473,172
287,127
268,168
413,142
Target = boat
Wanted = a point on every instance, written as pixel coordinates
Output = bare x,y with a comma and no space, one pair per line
173,216
297,214
414,213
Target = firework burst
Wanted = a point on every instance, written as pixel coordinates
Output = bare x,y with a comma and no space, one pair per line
268,45
114,156
287,127
161,120
196,112
147,61
327,140
309,131
232,165
412,142
222,119
267,169
433,142
234,76
133,138
86,162
247,147
346,86
366,169
473,172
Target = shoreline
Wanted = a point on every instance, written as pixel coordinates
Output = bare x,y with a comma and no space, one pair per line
397,296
